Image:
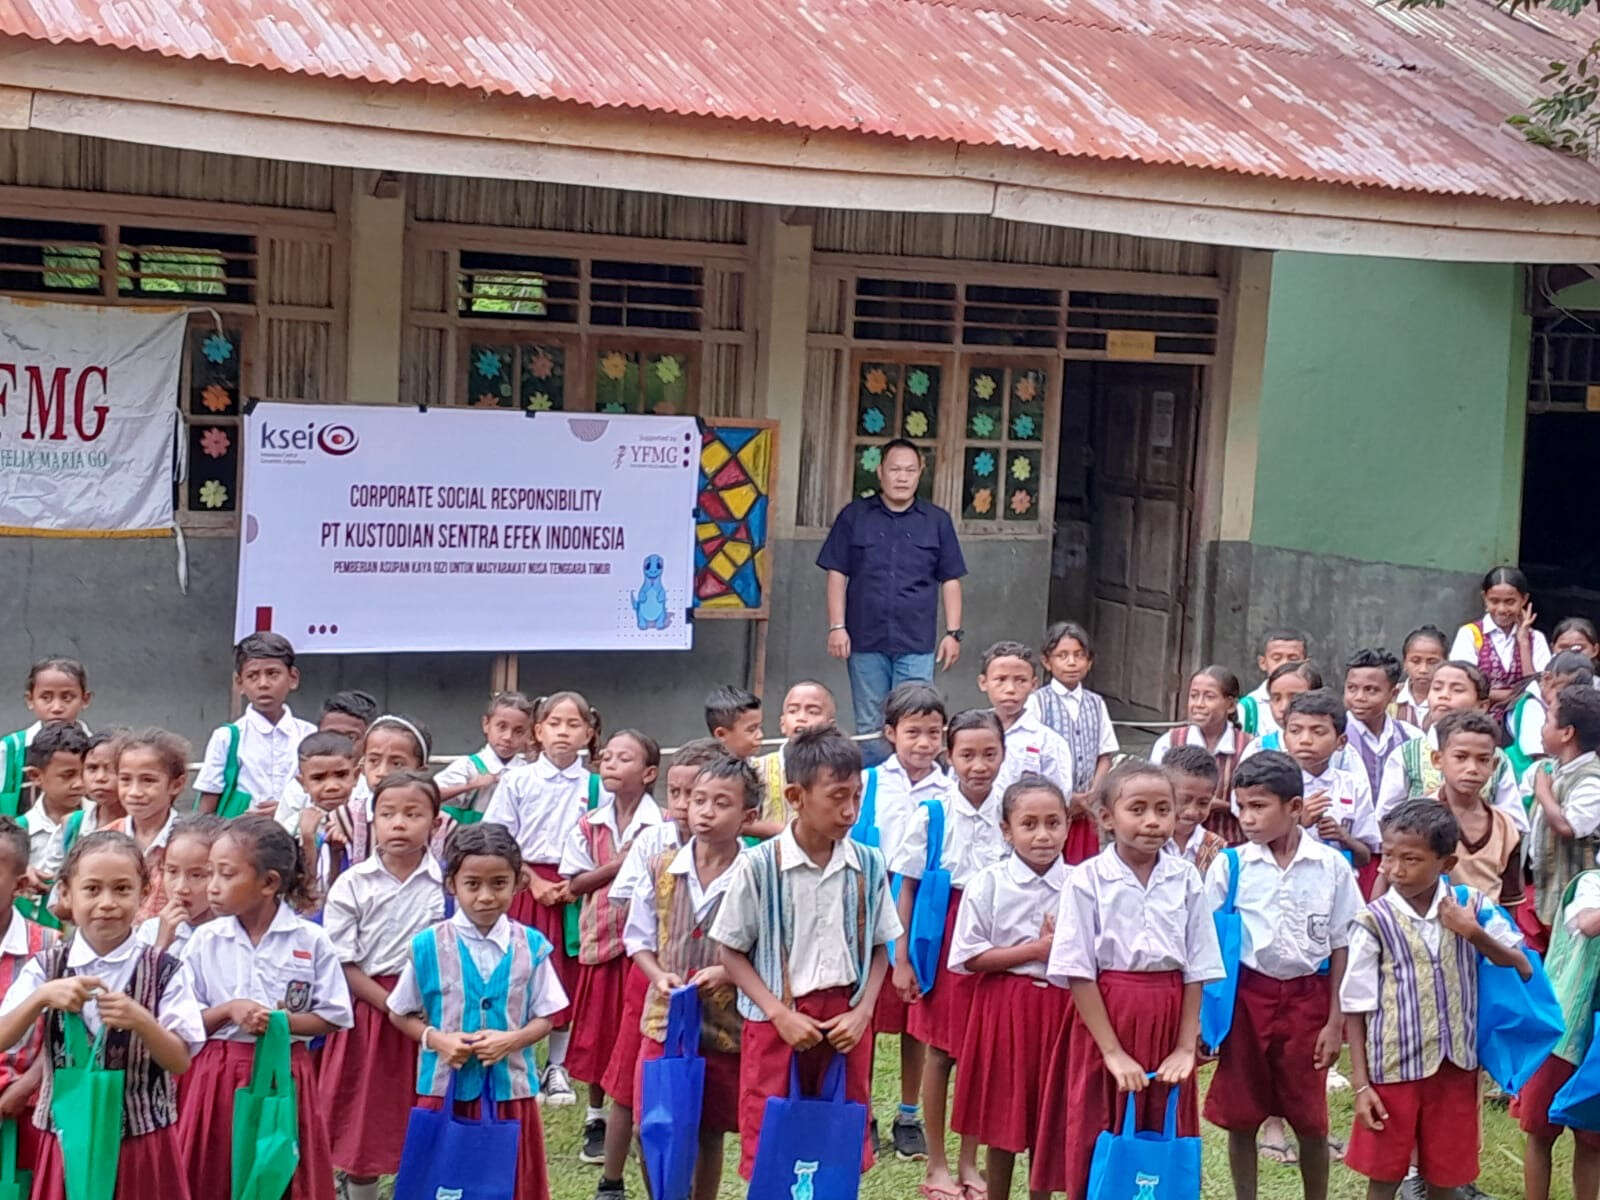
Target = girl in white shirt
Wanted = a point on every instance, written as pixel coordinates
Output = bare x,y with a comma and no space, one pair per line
57,690
393,743
186,878
1503,642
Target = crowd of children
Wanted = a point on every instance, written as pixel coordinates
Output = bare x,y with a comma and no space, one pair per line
1031,917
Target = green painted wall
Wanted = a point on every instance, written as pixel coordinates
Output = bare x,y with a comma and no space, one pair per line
1392,411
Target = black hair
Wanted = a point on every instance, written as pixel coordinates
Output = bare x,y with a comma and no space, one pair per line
67,666
1305,668
1061,631
697,753
204,828
485,839
1110,788
172,750
416,779
272,849
1273,770
1320,703
363,706
1425,817
266,645
1010,650
973,718
1027,782
1578,706
1572,666
726,766
726,704
329,745
816,683
117,843
1581,625
1472,671
1192,760
811,752
513,700
898,444
1430,632
1375,658
415,729
1284,633
55,737
15,836
1506,575
912,700
106,737
1466,720
1227,682
588,713
646,743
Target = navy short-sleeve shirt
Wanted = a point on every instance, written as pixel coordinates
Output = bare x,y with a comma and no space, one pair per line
896,562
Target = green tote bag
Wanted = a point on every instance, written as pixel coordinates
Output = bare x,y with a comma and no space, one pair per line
86,1109
266,1120
14,1184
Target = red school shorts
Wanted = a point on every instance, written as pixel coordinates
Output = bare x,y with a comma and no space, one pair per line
1266,1067
1532,1105
1434,1118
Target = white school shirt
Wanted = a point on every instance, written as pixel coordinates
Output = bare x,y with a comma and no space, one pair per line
1294,917
371,917
1167,742
1503,793
41,832
972,838
1032,746
294,968
1463,648
1347,756
1005,905
898,799
1072,699
1582,807
1359,994
269,755
1352,803
821,950
1190,850
643,932
290,805
178,1012
540,804
148,932
1419,705
56,853
575,856
633,876
462,769
1265,721
1109,921
1530,730
486,951
1584,897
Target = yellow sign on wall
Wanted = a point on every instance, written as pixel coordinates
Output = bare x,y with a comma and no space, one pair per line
1138,345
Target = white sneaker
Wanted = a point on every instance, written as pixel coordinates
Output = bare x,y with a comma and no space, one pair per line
1336,1081
556,1087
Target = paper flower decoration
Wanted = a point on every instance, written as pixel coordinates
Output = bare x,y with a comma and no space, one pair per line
668,369
871,457
664,408
1026,388
213,494
982,425
217,348
614,407
877,381
539,402
872,420
1021,468
1021,502
984,386
540,365
214,443
917,382
216,398
917,424
983,465
1022,425
982,500
482,399
488,364
614,366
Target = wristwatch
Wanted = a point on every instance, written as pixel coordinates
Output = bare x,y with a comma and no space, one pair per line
958,634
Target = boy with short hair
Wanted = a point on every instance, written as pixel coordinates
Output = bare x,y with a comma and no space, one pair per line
1010,672
1338,806
803,983
1410,976
733,717
54,770
1194,774
346,713
1371,682
1297,900
1278,646
1566,793
253,759
806,705
329,768
1525,718
467,783
1489,855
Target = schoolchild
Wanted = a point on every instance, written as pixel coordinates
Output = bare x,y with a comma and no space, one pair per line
346,713
258,956
806,705
1297,898
1009,673
142,999
478,995
1081,718
733,717
1503,642
467,783
55,781
1337,806
1194,781
20,940
152,772
1425,648
373,911
1135,942
1212,711
667,938
1003,937
57,689
1287,681
101,805
1566,793
1489,855
1278,646
393,743
1525,718
1371,682
186,879
253,759
807,987
329,770
1412,969
1578,634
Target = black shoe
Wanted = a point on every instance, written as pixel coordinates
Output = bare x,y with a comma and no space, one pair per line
1412,1188
594,1142
1473,1192
611,1189
910,1139
873,1138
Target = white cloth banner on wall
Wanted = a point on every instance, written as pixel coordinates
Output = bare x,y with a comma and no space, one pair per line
381,529
88,397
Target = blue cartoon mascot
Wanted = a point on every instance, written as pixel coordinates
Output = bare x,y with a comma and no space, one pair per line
650,602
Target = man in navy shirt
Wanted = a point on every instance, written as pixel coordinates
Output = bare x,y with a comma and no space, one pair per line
890,559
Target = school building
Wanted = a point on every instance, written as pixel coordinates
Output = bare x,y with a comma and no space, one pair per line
1207,317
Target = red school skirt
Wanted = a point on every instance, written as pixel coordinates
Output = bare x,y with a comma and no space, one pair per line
940,1018
597,1012
364,1086
533,1178
205,1121
547,919
1015,1021
1081,1099
1083,840
149,1167
719,1110
618,1080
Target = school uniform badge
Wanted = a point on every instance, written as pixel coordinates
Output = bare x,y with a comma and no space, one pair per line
297,996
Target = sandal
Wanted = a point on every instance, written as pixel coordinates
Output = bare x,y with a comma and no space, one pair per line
1336,1149
932,1192
1279,1152
975,1191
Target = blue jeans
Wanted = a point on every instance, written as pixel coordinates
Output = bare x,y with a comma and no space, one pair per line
872,678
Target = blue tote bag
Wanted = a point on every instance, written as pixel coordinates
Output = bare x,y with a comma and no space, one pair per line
810,1147
865,830
925,941
1141,1164
671,1090
1577,1104
447,1155
1519,1023
1218,999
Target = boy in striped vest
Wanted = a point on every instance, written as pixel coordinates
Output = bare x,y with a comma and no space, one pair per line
1410,995
1566,796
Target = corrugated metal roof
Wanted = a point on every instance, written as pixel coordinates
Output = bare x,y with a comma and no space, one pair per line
1334,91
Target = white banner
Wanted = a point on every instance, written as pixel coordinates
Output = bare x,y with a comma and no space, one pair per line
88,397
379,529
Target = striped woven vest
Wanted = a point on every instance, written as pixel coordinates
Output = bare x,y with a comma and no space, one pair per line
1561,860
1082,735
686,947
456,998
1427,1010
601,922
1497,673
15,1062
1372,759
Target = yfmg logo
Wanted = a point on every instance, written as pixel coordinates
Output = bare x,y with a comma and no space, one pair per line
337,440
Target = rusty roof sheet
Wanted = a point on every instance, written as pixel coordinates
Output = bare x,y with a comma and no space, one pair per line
1333,91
